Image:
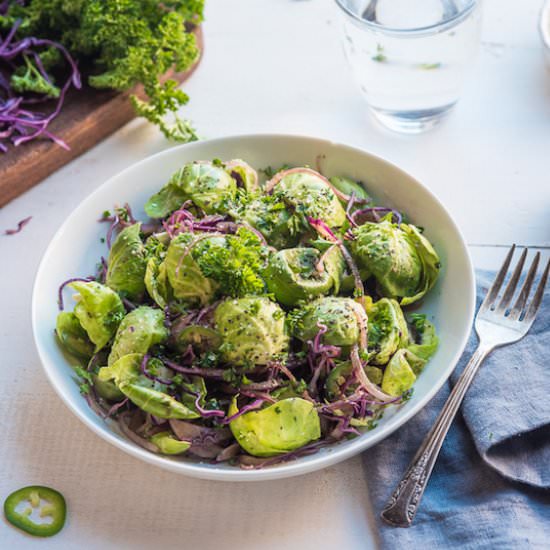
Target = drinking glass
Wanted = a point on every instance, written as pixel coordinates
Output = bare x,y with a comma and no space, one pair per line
410,57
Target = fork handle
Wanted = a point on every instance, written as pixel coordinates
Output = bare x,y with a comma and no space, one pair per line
404,501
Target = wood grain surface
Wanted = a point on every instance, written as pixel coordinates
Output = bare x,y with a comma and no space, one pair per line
88,116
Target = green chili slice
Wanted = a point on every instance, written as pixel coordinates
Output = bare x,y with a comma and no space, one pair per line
47,505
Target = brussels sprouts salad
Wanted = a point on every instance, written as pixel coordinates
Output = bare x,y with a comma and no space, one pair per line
251,319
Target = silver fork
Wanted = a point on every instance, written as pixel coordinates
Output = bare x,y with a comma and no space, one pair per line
496,325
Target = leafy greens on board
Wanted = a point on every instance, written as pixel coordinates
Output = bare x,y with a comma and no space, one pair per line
252,322
115,44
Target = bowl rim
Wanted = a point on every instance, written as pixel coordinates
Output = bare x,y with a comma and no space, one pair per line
287,469
544,24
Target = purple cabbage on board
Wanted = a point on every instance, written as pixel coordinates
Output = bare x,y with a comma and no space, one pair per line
19,122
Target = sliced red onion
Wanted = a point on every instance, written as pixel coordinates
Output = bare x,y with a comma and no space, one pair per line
229,452
363,379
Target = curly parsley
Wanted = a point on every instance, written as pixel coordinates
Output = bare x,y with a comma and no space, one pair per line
118,44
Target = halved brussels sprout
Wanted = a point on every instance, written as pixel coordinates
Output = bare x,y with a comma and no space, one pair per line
184,274
339,315
126,263
309,195
388,330
156,281
202,339
425,339
139,330
107,389
72,336
253,330
298,274
208,186
168,199
99,311
282,427
402,261
245,176
430,262
141,391
349,187
338,376
400,373
269,215
168,444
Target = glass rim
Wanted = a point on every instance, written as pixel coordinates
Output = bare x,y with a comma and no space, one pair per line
428,29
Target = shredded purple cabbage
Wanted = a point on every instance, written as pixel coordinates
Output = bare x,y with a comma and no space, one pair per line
18,123
256,404
374,212
20,225
147,374
64,284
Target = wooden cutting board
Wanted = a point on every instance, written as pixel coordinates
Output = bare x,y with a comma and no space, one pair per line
88,116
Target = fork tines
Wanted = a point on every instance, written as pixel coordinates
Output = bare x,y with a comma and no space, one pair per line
521,310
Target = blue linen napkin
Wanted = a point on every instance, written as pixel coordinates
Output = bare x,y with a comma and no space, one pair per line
490,487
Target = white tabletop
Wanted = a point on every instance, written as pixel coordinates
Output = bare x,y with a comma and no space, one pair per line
269,66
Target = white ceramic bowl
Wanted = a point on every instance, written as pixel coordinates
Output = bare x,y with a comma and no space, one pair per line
76,248
544,27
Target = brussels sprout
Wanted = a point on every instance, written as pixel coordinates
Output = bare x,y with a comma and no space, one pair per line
430,262
202,339
426,340
99,310
72,336
337,378
282,427
107,389
387,332
168,444
402,261
400,373
303,273
208,186
184,274
339,375
139,330
168,199
245,176
126,263
253,330
309,195
348,186
339,315
141,391
156,281
270,217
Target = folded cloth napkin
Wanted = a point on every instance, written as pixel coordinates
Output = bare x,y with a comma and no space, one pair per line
490,487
